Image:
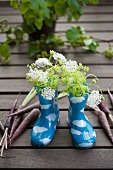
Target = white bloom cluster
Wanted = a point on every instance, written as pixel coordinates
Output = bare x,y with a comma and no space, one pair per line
42,76
71,65
94,99
42,62
48,93
37,74
59,57
32,74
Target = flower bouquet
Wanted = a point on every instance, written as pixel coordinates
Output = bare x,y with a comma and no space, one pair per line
46,77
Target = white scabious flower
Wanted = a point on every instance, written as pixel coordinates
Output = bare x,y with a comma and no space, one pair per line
59,57
71,65
42,62
48,93
94,99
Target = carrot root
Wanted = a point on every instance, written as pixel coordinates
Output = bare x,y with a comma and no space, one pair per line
104,122
33,115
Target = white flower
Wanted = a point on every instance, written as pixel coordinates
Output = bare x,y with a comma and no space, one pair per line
94,98
42,62
71,65
25,37
42,76
59,57
12,36
48,93
32,74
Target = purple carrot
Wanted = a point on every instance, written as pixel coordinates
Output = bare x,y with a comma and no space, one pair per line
110,96
16,122
106,110
104,122
32,116
7,127
1,127
9,120
26,109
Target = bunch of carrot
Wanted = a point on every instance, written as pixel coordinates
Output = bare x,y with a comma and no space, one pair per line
16,124
104,114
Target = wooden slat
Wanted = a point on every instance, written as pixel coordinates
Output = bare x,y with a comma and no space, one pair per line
91,17
58,158
84,18
23,48
91,115
92,27
98,9
88,27
88,9
85,58
9,71
96,36
7,100
12,19
8,11
15,85
62,138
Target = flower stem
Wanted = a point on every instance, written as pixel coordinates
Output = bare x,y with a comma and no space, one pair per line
30,95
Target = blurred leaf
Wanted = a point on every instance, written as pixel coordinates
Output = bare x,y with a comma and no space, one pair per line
35,4
109,52
72,35
4,50
24,7
14,3
33,49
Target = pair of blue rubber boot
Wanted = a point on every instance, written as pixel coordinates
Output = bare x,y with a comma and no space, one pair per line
82,132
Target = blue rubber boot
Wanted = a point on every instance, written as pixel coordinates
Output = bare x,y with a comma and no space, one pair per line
44,129
82,132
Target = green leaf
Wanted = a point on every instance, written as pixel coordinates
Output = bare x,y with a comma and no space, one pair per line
24,7
72,35
94,1
4,50
62,1
37,3
69,18
24,1
47,12
38,24
50,2
76,15
33,49
60,9
19,33
109,52
14,3
92,47
73,4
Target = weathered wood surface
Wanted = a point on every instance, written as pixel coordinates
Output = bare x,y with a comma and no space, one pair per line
60,153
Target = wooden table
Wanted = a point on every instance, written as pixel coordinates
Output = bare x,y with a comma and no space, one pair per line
60,153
